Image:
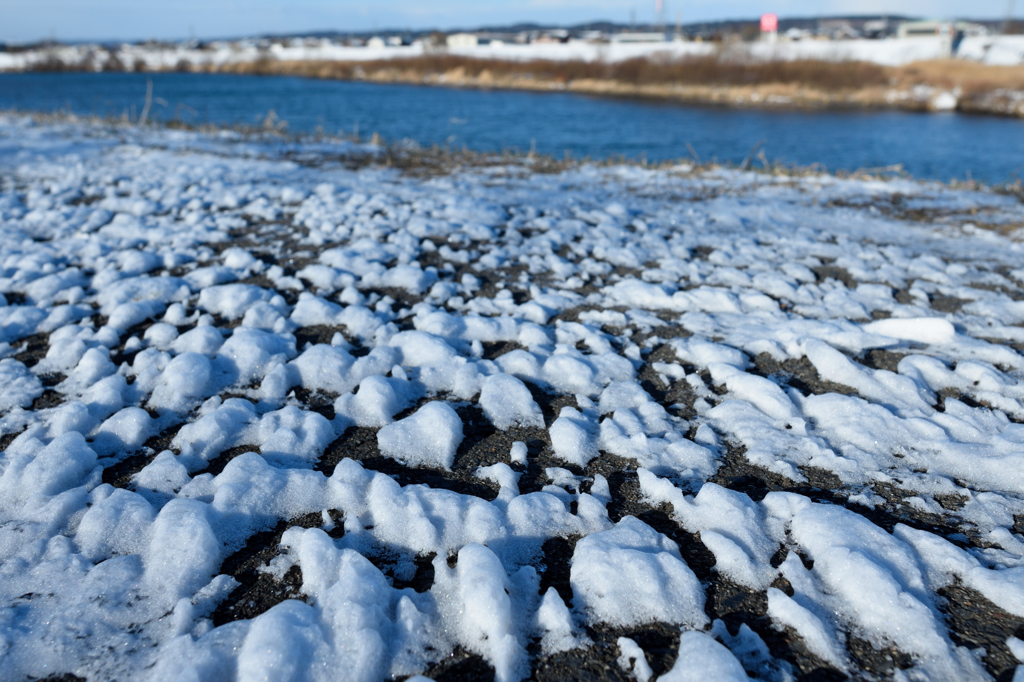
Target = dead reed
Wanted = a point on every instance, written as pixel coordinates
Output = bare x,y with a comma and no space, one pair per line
698,70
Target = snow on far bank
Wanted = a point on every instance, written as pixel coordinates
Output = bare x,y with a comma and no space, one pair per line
997,50
271,418
1006,50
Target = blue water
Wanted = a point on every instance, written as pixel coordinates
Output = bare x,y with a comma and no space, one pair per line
934,146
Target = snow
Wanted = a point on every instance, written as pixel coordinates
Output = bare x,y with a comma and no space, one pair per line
518,453
586,407
819,638
482,596
931,330
632,574
702,658
729,523
507,401
21,387
571,438
379,399
554,621
232,301
35,469
427,438
184,553
632,660
997,49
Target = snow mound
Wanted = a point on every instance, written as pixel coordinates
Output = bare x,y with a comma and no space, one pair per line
632,574
427,438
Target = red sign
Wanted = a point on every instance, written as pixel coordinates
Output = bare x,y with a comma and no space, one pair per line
769,23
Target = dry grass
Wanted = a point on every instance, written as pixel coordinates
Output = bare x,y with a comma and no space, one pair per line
709,70
828,76
970,77
725,78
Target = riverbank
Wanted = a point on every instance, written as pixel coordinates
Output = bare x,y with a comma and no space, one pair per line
275,405
936,85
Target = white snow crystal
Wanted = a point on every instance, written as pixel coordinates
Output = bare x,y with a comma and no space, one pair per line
427,438
518,453
325,368
203,339
291,436
21,387
184,552
231,301
923,330
377,401
123,432
817,636
702,658
507,402
631,575
118,524
164,474
485,622
554,622
46,470
572,437
633,660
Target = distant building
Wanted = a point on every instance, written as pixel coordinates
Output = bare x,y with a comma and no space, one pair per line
553,36
594,37
837,29
638,37
376,42
877,28
796,34
972,29
916,29
460,40
935,27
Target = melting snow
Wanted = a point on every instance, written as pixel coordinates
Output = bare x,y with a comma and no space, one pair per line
264,418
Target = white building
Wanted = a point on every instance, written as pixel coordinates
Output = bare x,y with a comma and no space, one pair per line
460,40
912,29
638,38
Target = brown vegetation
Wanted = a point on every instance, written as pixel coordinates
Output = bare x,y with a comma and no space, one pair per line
970,77
725,78
703,70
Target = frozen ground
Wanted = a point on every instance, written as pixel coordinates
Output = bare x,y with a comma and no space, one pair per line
270,412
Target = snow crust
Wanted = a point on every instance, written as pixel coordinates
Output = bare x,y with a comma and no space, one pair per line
631,574
428,437
458,375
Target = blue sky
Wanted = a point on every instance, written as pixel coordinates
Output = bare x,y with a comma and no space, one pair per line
28,20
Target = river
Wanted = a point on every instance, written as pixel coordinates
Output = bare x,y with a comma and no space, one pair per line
931,146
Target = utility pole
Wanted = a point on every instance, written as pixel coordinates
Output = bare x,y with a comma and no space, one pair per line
1009,17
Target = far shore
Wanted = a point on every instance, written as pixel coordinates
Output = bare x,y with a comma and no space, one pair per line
940,85
936,85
